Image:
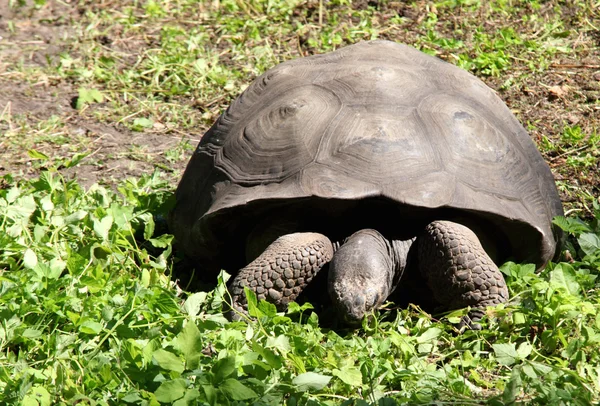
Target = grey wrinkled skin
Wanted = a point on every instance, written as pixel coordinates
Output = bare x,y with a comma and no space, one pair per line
363,273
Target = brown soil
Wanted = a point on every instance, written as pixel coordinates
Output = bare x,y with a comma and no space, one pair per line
115,152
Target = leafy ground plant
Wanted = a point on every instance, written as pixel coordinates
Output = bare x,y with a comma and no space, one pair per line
90,316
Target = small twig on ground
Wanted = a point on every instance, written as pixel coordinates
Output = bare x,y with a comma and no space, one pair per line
574,66
6,115
569,152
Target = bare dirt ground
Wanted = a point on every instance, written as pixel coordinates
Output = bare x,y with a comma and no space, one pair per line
33,37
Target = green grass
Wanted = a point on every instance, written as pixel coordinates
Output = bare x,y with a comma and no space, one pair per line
89,313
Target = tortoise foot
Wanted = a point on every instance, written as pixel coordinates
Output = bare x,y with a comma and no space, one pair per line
459,271
282,271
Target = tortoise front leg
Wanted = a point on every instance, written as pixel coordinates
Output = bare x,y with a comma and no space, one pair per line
282,271
458,270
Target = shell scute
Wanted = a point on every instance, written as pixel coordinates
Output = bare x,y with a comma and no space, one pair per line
375,120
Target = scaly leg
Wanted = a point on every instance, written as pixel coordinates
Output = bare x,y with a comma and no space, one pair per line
458,270
283,270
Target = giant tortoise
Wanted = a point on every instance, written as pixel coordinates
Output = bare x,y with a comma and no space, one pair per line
372,161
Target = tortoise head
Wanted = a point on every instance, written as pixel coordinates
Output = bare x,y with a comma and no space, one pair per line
361,275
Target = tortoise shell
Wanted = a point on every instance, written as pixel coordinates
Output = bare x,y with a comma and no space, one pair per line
375,134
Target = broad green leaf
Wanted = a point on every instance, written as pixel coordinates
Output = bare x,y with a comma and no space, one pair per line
561,277
32,333
253,309
201,66
43,270
107,313
58,221
75,262
254,367
75,217
189,342
148,350
30,260
160,263
223,368
167,360
96,95
524,350
38,396
21,209
236,390
149,225
57,265
513,387
274,360
294,307
143,122
29,400
249,334
518,318
590,243
132,398
90,327
189,398
268,309
40,233
591,335
164,301
211,394
145,278
310,381
73,317
506,353
94,285
13,194
541,369
519,271
118,300
88,96
425,348
121,215
429,335
140,123
530,371
170,391
194,303
280,342
349,375
46,203
162,241
571,225
102,227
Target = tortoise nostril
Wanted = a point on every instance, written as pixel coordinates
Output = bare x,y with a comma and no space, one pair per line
359,302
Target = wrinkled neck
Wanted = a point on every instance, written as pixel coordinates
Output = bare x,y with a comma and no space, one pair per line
399,250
